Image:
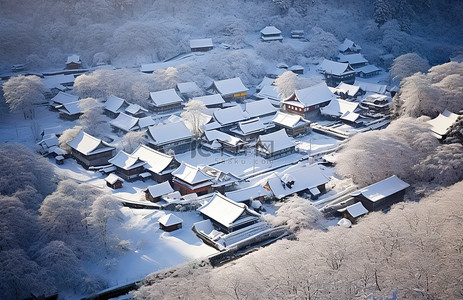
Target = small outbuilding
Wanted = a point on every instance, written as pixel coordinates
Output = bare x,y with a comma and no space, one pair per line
353,212
114,181
73,62
155,192
170,222
201,45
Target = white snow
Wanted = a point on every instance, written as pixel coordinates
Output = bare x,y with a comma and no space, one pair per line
165,97
382,189
230,86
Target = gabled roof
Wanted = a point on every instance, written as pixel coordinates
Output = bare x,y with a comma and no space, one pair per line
156,161
124,122
371,87
113,104
212,135
71,108
169,220
349,45
188,88
248,193
113,178
270,92
296,179
313,95
165,97
382,189
224,210
135,109
441,124
335,68
275,141
210,99
49,141
356,58
251,126
350,89
201,43
259,108
230,86
73,59
126,161
289,120
270,30
190,174
62,98
230,115
350,116
160,189
167,133
338,107
87,144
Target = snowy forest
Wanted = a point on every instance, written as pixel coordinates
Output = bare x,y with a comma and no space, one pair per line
54,228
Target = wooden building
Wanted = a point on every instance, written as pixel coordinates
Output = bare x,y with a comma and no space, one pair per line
382,194
297,34
201,45
211,101
338,107
355,60
188,90
250,130
158,164
113,181
367,71
247,195
441,124
307,102
114,105
260,108
73,62
166,100
188,179
136,111
353,212
348,47
227,142
228,117
154,192
297,69
127,166
293,124
336,72
170,137
346,91
230,89
270,33
62,98
170,222
90,151
275,145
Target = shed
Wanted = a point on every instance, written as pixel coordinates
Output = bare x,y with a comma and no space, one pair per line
155,192
170,222
114,181
353,212
197,45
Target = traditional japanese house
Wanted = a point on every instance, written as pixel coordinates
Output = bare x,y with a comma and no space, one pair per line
70,111
211,101
260,108
371,88
188,179
355,60
201,45
382,194
367,71
124,123
73,62
127,166
114,105
307,102
158,164
136,111
188,90
336,72
227,142
228,215
154,192
265,81
229,117
166,100
338,107
62,98
170,137
113,181
250,129
346,91
230,89
348,47
275,145
440,125
270,33
247,195
170,222
297,34
293,124
297,69
353,212
90,151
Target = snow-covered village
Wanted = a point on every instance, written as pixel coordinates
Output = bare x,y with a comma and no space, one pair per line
156,149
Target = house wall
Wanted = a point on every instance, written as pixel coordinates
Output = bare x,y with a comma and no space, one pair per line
170,228
276,154
130,174
165,108
334,80
180,146
116,185
73,65
383,203
148,197
201,49
98,159
68,117
184,190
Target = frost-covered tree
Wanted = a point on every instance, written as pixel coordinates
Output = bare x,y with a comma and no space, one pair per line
166,78
102,210
67,136
407,65
321,44
286,84
383,12
278,52
396,41
193,115
131,140
22,93
92,120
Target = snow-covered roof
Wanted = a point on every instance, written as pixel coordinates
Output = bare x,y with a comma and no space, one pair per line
289,120
371,87
275,141
73,59
224,210
113,178
367,69
230,86
71,108
356,210
124,122
190,174
264,82
441,124
134,109
156,161
251,126
160,189
230,115
165,97
113,104
146,122
210,99
212,135
338,107
356,58
126,161
382,189
62,98
259,108
248,193
56,81
169,220
350,116
313,95
49,141
270,30
349,45
334,67
166,133
304,177
296,68
201,43
87,144
188,88
350,89
270,92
